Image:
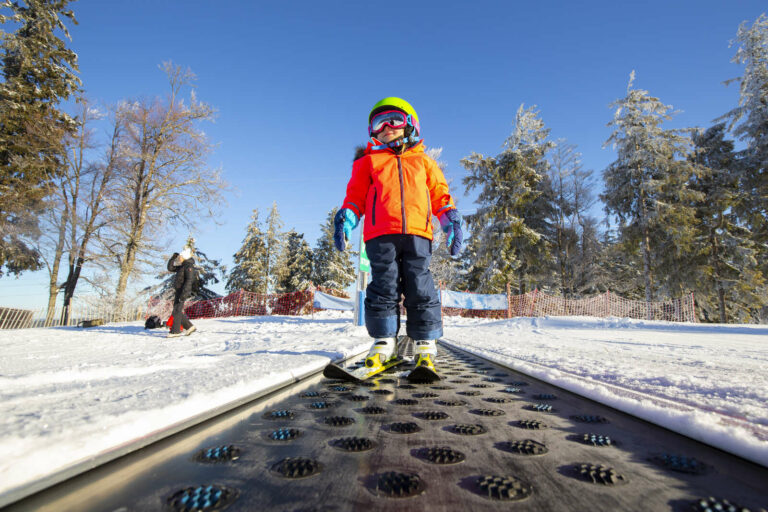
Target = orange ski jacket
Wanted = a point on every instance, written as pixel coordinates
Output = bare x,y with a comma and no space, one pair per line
397,193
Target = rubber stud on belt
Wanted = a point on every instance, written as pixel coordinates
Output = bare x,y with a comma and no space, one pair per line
284,434
406,401
488,412
399,485
466,429
712,504
441,455
599,474
524,447
320,405
451,403
680,463
281,414
297,467
219,454
353,444
469,393
507,488
531,424
339,421
404,428
433,415
540,407
595,439
382,391
357,398
373,410
498,399
201,498
425,395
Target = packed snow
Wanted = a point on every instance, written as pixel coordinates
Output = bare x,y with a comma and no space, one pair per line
69,394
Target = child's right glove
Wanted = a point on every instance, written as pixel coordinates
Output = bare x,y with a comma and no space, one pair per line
344,222
450,221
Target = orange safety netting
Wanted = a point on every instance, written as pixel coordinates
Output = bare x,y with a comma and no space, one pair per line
537,303
243,303
530,304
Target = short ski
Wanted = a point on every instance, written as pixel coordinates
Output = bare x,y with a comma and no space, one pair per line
423,374
333,371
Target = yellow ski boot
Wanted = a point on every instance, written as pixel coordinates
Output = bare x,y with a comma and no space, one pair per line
426,353
381,352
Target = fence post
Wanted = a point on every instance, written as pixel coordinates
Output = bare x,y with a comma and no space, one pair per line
509,300
239,297
693,308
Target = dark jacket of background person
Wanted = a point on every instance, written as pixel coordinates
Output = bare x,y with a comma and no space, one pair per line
185,279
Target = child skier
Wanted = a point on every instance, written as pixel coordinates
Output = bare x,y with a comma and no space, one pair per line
184,280
398,188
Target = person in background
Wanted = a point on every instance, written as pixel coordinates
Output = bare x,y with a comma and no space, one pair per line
186,275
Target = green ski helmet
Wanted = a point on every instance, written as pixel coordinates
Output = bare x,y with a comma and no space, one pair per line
394,103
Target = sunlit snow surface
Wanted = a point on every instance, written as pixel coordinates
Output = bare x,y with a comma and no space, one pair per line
67,394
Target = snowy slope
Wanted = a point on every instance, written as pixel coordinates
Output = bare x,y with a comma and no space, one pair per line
67,394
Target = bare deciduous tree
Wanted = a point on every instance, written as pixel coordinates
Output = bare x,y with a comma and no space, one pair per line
166,181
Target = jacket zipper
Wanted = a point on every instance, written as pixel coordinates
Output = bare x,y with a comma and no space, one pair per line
402,191
373,216
429,211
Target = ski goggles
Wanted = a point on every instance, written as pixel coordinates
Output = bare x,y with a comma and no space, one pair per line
392,118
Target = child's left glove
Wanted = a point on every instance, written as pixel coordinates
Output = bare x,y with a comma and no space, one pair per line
450,221
343,224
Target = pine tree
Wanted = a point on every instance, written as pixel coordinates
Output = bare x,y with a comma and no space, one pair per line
274,242
295,265
510,223
332,269
249,272
38,73
727,262
749,122
445,269
647,189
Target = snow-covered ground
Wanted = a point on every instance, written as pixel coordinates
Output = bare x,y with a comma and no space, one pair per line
67,394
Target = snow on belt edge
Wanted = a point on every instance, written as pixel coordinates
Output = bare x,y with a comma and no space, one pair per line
254,390
731,434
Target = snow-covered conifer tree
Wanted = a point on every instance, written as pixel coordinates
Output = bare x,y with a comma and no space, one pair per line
332,268
444,268
38,73
274,241
749,122
730,281
646,187
250,270
511,219
295,264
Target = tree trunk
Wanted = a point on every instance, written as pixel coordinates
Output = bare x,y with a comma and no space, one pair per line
53,287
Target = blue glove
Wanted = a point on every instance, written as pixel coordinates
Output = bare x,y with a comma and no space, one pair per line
343,224
450,221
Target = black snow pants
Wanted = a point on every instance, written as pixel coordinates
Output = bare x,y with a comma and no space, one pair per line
400,265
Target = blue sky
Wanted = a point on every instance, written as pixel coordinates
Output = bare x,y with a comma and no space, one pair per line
293,83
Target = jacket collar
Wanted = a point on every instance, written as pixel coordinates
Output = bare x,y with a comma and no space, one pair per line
417,148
